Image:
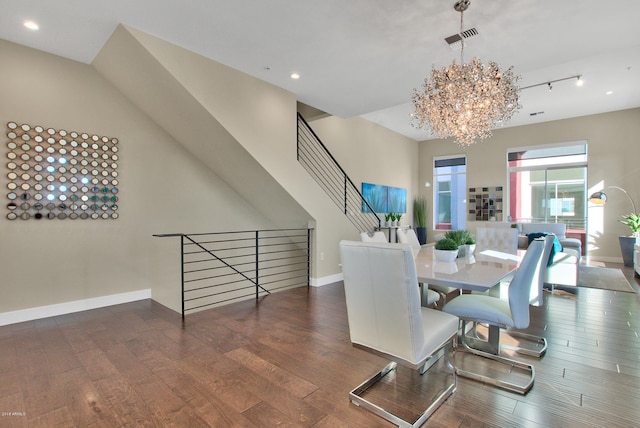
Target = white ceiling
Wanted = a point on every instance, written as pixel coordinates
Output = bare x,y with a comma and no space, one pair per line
364,57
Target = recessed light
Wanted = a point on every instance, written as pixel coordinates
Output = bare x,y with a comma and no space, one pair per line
609,92
295,76
31,25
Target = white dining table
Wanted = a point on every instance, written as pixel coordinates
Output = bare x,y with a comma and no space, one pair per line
477,272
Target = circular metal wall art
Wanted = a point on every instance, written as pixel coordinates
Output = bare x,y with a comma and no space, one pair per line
32,149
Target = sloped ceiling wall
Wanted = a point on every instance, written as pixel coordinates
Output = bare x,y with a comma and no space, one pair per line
134,67
240,127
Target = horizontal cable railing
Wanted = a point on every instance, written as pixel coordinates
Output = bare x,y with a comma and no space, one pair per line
322,166
223,267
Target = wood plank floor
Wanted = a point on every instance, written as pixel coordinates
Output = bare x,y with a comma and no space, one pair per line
287,361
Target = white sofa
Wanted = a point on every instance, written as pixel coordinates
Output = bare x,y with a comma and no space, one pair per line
558,229
564,270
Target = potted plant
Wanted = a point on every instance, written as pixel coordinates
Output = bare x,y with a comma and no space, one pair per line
387,219
632,221
470,245
420,218
398,216
460,237
446,250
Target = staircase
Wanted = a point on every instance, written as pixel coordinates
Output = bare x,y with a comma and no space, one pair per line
325,170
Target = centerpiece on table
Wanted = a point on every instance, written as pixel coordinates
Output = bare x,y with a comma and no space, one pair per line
446,250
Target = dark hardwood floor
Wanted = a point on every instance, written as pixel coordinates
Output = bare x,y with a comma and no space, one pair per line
287,361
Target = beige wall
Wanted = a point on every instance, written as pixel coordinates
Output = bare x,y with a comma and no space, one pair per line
164,189
372,154
167,185
613,154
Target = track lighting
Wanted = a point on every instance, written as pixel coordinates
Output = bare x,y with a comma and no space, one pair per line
578,77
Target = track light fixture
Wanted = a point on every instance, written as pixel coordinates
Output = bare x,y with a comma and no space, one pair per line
578,77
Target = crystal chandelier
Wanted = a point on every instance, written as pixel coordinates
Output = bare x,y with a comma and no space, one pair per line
466,101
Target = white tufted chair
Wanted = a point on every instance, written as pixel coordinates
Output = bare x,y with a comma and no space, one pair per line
385,318
376,237
500,239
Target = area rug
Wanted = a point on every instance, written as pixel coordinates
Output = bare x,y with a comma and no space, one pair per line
603,278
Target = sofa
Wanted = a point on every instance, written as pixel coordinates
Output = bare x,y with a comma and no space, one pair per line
558,229
564,267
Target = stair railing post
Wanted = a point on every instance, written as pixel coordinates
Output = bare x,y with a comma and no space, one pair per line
182,269
345,194
257,267
308,257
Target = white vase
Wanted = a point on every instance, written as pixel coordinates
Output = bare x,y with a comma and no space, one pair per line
446,255
469,249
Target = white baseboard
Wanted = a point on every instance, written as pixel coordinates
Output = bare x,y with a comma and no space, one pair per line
23,315
605,259
325,280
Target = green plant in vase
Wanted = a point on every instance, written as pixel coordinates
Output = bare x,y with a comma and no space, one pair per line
446,244
633,223
397,218
420,218
460,237
446,250
387,219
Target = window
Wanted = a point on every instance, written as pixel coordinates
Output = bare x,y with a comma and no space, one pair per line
548,184
450,178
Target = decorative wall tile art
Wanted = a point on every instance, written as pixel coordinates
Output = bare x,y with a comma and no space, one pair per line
485,203
384,199
55,174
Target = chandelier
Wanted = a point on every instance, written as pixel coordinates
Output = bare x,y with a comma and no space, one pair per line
466,101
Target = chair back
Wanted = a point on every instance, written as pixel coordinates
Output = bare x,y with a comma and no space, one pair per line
500,239
376,237
408,236
521,284
537,286
382,296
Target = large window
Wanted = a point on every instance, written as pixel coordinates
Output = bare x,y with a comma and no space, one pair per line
450,178
548,184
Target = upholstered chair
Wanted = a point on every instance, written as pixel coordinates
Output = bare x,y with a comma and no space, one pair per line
498,313
408,236
429,296
502,239
375,237
386,318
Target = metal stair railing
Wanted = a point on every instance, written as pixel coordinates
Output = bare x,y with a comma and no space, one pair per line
224,267
327,172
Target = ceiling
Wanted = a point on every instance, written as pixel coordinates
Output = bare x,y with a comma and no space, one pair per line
364,57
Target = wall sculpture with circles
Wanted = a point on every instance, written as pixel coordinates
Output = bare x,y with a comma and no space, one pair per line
55,174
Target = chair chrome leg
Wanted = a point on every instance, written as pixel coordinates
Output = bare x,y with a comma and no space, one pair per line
491,345
489,349
358,400
541,341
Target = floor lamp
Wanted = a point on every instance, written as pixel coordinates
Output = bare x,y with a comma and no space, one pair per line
626,242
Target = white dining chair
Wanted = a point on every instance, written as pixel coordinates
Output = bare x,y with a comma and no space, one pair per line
377,236
386,318
498,313
408,236
502,239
